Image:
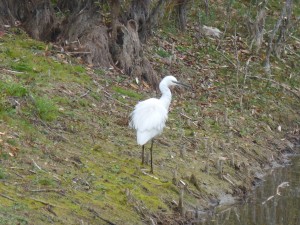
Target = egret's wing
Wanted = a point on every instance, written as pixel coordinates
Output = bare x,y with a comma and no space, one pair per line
149,115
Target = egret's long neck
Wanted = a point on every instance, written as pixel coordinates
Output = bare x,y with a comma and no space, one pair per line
166,95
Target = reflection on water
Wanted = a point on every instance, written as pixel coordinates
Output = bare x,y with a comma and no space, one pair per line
283,209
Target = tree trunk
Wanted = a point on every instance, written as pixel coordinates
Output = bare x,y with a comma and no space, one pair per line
256,27
181,13
40,19
82,28
140,11
6,17
36,16
12,12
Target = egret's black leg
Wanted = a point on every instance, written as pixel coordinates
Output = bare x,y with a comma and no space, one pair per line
143,158
151,155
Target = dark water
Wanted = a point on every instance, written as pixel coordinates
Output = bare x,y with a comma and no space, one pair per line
262,208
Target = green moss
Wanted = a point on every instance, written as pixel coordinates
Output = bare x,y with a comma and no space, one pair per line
126,92
46,182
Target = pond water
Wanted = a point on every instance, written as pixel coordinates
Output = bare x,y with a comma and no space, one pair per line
274,202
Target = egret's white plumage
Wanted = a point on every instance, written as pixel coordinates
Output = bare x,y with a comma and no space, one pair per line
149,116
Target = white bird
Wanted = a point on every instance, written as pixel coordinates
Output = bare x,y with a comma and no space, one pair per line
149,116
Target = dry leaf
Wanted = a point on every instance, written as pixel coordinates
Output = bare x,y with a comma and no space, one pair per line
134,86
145,84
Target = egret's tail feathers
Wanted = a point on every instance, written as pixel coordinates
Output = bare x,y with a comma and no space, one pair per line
144,137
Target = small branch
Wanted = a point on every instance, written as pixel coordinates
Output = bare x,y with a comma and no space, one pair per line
187,117
156,178
59,191
44,202
268,199
109,96
227,58
78,53
7,197
85,94
12,71
98,216
228,180
236,58
297,39
282,185
37,166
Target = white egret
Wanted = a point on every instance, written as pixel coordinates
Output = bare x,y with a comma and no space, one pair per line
149,116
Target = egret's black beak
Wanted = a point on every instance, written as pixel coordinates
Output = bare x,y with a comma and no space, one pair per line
182,84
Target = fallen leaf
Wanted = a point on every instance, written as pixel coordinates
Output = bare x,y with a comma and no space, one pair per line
134,86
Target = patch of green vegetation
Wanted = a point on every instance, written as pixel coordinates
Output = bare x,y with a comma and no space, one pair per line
12,89
79,69
12,142
46,182
2,173
4,155
83,102
183,48
162,53
22,67
126,92
46,108
13,219
100,187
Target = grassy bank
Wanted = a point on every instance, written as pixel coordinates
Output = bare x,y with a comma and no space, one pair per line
67,155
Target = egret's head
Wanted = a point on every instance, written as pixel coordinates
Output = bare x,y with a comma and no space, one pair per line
170,81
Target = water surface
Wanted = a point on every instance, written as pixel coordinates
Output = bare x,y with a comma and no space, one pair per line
266,206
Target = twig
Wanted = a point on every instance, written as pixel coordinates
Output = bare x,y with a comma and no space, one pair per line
78,52
227,179
59,191
37,166
100,217
186,116
297,39
282,185
268,199
236,58
31,171
109,96
12,71
44,202
226,58
149,175
85,94
7,197
189,119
